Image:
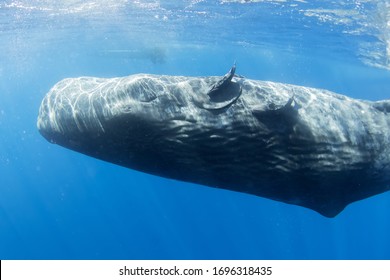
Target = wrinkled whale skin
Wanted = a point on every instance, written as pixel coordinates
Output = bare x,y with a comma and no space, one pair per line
299,145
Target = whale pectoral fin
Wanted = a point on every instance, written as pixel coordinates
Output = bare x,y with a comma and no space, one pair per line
287,110
222,94
214,106
219,87
288,107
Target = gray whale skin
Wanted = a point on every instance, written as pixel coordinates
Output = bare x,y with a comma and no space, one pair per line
298,145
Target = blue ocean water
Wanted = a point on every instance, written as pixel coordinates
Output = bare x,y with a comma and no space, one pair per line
58,204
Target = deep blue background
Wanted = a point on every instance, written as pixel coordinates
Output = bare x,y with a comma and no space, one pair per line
58,204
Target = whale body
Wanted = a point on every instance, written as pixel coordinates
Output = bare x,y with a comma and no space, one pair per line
294,144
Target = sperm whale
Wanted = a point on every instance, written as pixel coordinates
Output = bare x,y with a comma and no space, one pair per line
298,145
